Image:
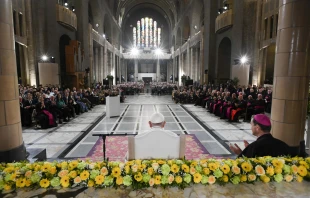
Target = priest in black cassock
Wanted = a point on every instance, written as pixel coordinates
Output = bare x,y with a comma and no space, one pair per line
265,145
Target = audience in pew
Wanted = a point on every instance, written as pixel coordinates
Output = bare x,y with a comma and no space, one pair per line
227,102
51,105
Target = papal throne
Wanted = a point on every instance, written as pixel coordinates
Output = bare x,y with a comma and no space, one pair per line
156,145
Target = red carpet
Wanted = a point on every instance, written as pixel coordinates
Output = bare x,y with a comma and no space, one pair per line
117,146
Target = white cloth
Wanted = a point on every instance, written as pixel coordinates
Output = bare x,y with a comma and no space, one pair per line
157,144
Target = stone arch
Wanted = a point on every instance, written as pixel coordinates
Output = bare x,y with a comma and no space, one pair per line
178,42
197,16
64,40
186,29
224,60
95,15
107,28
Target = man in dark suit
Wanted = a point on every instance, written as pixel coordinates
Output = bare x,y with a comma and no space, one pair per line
265,145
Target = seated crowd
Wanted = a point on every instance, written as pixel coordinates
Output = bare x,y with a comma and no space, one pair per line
228,102
52,105
162,88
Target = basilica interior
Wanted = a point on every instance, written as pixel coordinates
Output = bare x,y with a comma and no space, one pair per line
158,56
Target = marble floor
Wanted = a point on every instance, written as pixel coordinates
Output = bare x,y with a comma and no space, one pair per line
75,139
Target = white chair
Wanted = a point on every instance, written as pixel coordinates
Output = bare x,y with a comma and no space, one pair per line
156,145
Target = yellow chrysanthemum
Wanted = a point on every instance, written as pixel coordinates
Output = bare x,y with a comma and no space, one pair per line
270,170
161,162
20,182
65,181
84,175
264,178
73,174
150,171
225,168
77,180
305,164
288,178
73,164
37,167
206,171
138,162
64,165
53,170
194,163
116,172
127,169
28,183
299,178
213,166
246,166
243,178
185,168
197,178
119,180
90,183
99,179
225,178
259,170
9,170
170,162
277,163
7,187
178,179
175,168
302,171
44,183
157,179
141,167
130,163
138,177
278,170
45,168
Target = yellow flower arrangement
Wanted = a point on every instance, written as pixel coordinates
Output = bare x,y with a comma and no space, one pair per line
119,180
246,166
44,183
302,171
197,178
65,181
178,179
148,173
270,171
138,177
116,172
99,179
175,168
225,168
73,174
20,182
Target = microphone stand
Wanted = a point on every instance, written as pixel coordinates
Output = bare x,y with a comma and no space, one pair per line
104,136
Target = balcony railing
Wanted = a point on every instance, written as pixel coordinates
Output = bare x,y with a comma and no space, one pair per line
224,21
66,17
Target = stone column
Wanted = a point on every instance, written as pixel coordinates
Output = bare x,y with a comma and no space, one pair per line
180,69
192,65
136,70
101,63
113,68
158,71
173,69
11,139
126,74
291,75
105,63
96,57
